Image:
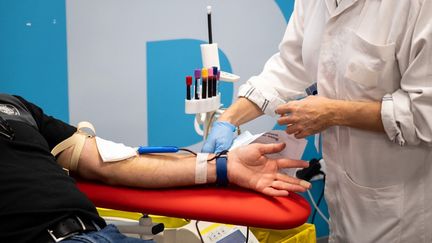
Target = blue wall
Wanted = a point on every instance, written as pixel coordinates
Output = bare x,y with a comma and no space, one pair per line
33,54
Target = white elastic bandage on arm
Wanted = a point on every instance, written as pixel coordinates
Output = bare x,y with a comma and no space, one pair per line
113,152
201,168
77,140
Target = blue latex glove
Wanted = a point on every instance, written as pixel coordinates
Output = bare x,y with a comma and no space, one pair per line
220,137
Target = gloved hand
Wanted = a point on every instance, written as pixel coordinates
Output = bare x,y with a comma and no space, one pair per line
220,137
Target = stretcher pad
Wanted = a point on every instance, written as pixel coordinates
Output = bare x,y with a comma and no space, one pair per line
230,205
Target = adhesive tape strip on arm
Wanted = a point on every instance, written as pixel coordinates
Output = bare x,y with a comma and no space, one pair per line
201,168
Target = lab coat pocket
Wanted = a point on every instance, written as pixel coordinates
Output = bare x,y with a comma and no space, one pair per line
373,214
367,61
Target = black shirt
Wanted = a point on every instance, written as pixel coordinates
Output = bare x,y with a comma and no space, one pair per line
34,190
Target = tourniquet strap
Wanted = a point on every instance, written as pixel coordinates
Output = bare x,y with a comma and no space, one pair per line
77,140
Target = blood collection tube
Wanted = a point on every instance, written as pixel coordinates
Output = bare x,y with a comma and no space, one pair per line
215,80
188,87
204,75
210,83
197,75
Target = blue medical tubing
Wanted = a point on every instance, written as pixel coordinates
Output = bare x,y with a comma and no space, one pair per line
157,149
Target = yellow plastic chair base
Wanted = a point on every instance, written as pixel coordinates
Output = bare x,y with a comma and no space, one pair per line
168,222
303,234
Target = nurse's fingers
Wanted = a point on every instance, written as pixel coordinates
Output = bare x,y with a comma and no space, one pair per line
285,108
294,129
285,120
302,134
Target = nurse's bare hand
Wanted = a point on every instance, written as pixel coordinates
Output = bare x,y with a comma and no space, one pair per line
305,117
249,167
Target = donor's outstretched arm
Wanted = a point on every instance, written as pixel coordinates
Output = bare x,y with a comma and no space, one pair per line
246,166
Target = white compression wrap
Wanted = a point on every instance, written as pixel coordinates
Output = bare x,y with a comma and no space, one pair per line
109,151
112,152
201,168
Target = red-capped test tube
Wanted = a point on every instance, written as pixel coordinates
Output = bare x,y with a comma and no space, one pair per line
188,87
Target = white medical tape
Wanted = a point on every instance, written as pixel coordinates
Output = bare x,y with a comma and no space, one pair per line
201,168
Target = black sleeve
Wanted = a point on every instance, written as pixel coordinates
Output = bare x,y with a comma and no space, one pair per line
52,129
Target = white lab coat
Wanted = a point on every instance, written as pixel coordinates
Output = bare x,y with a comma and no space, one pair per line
379,186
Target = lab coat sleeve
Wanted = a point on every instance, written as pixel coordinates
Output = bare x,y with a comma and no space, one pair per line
407,113
283,77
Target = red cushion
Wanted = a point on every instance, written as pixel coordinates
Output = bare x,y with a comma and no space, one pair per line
230,205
